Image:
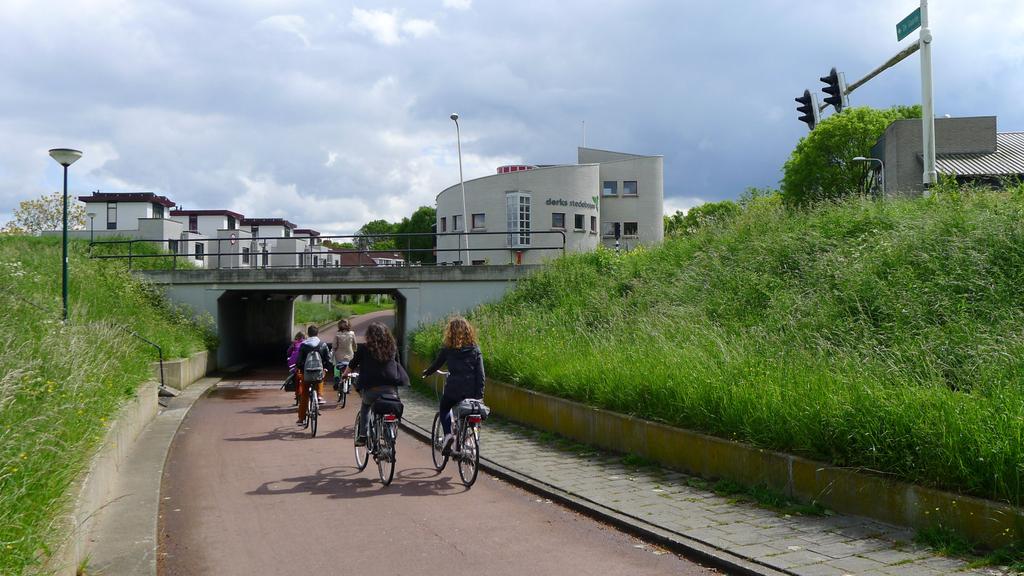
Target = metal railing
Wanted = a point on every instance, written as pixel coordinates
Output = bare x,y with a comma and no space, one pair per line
362,253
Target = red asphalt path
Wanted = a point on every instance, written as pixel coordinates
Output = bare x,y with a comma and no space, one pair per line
245,491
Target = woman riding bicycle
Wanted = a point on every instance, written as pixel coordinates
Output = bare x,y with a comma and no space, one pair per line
466,371
344,346
380,372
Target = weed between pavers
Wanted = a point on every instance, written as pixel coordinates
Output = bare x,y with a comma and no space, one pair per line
949,543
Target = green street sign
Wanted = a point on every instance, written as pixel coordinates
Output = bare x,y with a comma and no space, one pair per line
909,24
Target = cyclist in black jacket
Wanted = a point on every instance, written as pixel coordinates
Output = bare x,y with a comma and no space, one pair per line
466,371
380,372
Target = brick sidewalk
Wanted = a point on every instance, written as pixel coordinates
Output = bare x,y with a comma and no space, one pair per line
673,503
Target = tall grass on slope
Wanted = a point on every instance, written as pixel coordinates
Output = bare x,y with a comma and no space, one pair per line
60,385
883,335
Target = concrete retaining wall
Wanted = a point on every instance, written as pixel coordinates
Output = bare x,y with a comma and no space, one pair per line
94,488
182,372
849,491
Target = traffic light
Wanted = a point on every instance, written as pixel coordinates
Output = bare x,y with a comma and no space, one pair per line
808,108
835,87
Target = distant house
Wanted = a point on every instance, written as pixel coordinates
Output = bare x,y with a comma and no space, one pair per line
275,242
968,149
356,257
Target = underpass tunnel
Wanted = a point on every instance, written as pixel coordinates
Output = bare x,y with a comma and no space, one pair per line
255,327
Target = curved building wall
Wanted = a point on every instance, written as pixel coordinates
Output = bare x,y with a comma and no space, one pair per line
637,204
567,190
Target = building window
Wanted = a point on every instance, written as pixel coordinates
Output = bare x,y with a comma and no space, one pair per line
193,223
255,231
172,246
610,188
158,211
578,222
629,229
444,224
593,224
266,257
111,215
629,188
558,220
316,261
245,256
231,223
287,232
610,229
199,251
518,211
456,222
478,221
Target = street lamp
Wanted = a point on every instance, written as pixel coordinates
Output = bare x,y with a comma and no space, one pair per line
65,157
92,217
881,169
462,183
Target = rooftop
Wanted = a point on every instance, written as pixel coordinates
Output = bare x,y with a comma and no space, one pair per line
267,222
128,197
207,213
1008,159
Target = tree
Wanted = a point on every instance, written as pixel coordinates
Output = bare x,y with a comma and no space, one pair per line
45,213
368,237
421,222
821,166
695,218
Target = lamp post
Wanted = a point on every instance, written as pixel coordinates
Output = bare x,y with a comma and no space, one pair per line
881,169
65,157
462,184
92,227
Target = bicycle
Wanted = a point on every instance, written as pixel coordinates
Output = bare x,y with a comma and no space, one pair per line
312,408
467,417
343,385
381,437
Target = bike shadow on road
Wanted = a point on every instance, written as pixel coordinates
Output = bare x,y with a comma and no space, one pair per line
347,482
275,410
287,433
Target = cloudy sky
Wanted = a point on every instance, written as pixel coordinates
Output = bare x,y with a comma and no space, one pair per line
332,113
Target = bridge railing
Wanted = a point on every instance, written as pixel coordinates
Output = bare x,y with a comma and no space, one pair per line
337,251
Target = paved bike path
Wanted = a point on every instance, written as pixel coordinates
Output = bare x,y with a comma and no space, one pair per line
666,505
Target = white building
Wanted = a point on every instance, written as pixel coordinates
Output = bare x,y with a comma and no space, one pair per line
527,213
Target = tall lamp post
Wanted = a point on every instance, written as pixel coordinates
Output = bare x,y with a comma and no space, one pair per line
881,169
462,184
65,157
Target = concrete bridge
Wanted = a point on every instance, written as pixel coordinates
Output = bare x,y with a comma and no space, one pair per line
253,309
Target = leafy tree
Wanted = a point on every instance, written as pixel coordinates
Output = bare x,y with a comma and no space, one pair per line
680,224
339,245
368,237
45,213
821,166
421,222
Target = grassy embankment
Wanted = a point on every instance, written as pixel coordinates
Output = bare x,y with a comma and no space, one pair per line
320,313
885,335
61,385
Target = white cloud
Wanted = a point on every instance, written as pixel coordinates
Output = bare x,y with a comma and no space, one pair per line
419,28
682,204
289,23
458,4
332,157
388,28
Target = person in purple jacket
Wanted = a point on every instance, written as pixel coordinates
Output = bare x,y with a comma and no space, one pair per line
293,359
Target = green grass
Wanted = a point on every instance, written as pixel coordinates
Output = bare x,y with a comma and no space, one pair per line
323,313
60,385
886,335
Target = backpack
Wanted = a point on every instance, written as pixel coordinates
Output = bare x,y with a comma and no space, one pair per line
313,367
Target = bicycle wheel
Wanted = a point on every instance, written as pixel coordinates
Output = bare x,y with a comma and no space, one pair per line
436,436
313,411
386,443
469,455
342,395
362,453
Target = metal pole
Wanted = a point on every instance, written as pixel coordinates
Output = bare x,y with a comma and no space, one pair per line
462,184
64,254
92,227
927,110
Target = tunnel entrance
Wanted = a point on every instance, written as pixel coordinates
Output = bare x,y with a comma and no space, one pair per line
256,326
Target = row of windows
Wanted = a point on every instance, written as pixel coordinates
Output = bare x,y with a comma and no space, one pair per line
579,221
617,229
193,223
611,188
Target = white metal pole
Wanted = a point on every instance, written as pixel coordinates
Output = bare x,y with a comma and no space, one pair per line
927,108
462,184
